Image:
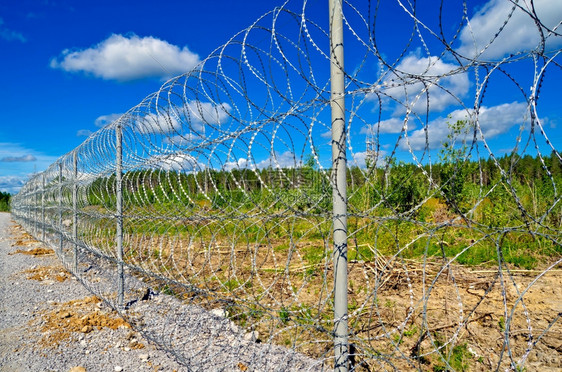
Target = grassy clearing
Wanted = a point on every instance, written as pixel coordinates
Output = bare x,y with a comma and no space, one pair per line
266,252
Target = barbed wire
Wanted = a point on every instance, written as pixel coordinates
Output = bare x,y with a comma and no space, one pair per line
219,189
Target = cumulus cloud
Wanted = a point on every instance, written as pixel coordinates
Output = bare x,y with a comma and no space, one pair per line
416,77
84,133
276,160
374,158
158,123
392,125
237,164
193,116
280,160
207,113
492,121
15,159
10,35
18,163
521,33
125,58
12,184
359,159
178,162
104,120
327,134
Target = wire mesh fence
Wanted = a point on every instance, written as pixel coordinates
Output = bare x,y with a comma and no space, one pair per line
205,214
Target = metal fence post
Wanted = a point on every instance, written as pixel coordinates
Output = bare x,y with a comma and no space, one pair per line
43,207
119,215
35,208
339,186
60,209
75,211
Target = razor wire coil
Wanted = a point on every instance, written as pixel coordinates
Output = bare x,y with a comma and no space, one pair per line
226,186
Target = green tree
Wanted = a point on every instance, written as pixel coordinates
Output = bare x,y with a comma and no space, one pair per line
4,201
455,167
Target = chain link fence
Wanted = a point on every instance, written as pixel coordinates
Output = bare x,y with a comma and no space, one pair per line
206,214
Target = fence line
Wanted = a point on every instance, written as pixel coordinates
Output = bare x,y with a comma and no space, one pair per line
255,213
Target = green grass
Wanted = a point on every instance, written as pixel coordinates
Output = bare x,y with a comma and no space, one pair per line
458,360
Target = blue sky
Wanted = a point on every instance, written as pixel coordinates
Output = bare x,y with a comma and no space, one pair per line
69,67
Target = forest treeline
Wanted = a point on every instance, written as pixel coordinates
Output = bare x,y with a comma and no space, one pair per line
397,186
4,201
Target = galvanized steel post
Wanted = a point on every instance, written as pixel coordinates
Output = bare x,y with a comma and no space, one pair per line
119,215
36,207
75,211
339,186
60,209
43,207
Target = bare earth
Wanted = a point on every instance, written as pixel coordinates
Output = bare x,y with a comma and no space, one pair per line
50,322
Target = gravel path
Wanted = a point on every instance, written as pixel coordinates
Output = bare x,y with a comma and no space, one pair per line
49,321
38,308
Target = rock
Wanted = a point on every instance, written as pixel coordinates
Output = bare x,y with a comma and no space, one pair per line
219,312
117,368
252,336
144,357
64,315
77,369
86,329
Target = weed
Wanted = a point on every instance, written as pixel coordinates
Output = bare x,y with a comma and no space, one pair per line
231,284
168,291
284,315
412,331
501,324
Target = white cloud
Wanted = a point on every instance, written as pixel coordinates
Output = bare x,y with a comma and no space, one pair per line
16,159
191,117
183,139
415,77
392,125
175,162
12,184
19,163
492,121
521,33
239,164
84,133
360,159
158,123
206,113
129,58
277,160
327,134
104,120
10,35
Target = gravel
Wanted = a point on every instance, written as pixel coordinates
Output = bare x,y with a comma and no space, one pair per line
195,339
24,302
